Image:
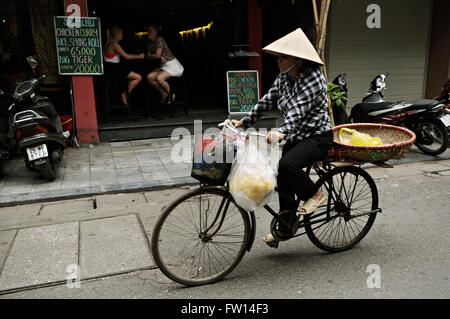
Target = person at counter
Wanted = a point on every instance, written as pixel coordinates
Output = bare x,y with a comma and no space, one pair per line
170,66
112,53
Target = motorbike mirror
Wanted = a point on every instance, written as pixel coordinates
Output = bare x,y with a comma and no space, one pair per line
32,62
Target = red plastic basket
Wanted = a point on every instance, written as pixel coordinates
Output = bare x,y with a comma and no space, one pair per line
67,122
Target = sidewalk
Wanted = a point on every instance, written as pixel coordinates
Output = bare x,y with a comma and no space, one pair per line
115,167
47,244
97,169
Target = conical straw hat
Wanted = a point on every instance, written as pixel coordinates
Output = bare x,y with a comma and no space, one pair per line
295,44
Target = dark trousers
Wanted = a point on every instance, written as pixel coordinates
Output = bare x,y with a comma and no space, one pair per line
292,178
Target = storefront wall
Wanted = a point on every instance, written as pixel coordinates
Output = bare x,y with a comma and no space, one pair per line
400,46
439,57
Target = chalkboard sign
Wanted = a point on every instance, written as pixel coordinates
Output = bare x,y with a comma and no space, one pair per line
243,90
79,48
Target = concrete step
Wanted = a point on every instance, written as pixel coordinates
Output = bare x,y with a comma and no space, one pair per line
145,129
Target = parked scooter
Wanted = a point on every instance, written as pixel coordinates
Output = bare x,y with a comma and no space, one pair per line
422,117
37,127
444,97
8,141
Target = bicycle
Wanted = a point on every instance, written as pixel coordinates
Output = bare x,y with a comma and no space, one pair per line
203,235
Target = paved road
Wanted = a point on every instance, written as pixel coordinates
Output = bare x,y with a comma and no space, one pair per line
116,167
408,244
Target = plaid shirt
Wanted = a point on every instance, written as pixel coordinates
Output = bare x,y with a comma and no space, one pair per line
302,101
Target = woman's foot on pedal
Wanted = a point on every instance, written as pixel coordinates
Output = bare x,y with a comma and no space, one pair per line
271,241
268,238
312,204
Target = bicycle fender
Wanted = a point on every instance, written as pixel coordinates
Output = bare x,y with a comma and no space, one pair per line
252,231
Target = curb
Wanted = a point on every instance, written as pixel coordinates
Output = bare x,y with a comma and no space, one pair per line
73,193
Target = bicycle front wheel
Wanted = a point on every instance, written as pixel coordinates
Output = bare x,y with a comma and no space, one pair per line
201,237
347,216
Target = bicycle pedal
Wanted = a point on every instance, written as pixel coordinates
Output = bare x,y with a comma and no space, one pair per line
273,244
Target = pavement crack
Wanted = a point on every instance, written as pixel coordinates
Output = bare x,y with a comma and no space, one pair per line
153,275
41,207
8,251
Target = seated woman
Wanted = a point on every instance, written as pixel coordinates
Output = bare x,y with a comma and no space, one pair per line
170,66
112,53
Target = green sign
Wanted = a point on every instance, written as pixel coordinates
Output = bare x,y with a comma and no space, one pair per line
79,46
243,90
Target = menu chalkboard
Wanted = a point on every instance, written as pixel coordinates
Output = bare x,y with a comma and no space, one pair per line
79,47
242,90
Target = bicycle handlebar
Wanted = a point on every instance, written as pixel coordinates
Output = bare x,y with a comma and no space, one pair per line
228,124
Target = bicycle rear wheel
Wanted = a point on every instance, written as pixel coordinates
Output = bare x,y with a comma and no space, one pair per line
349,212
201,237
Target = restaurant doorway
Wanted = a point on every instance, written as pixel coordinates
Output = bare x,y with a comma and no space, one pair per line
199,33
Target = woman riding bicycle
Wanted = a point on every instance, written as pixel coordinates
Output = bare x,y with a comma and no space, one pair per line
299,92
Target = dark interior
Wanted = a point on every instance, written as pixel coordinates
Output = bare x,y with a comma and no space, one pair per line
205,59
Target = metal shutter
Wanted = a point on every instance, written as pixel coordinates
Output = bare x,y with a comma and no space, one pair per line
399,47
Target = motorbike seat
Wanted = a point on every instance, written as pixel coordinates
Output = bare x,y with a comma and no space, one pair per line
423,104
42,105
361,110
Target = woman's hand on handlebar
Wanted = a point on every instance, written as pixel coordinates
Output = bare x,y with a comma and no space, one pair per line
274,137
237,123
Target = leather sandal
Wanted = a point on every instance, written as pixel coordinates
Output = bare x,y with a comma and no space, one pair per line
311,205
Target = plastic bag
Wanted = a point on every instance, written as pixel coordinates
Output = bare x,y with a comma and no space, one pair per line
353,137
213,159
252,179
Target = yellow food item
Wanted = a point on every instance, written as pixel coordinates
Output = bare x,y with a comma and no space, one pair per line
253,185
353,137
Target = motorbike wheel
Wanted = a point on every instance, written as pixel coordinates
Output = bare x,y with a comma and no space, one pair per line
29,167
432,137
48,171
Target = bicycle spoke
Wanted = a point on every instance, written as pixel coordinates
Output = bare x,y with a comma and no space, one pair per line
192,262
